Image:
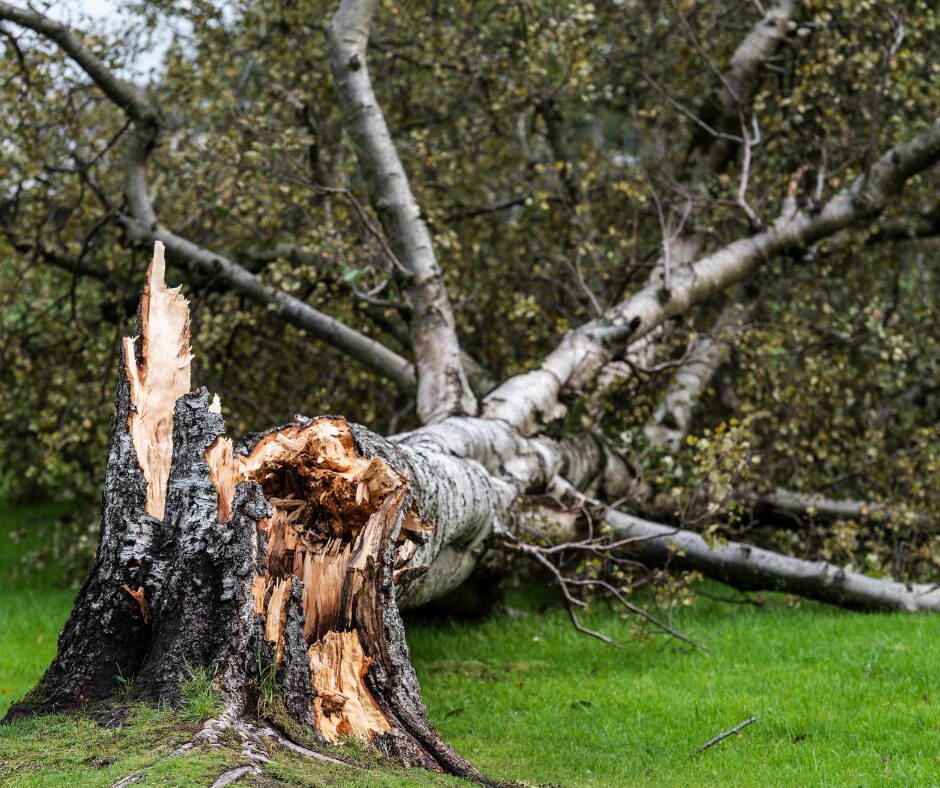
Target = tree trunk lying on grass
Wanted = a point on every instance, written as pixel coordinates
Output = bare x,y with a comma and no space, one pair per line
290,555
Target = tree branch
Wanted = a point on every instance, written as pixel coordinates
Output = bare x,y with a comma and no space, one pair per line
753,568
802,504
533,397
671,421
443,388
143,225
709,153
925,224
122,93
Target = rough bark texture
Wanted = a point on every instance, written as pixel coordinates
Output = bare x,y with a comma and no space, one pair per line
291,557
282,560
106,628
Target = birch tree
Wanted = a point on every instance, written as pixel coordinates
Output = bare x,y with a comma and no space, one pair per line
289,552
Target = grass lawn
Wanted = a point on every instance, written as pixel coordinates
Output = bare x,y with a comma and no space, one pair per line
841,699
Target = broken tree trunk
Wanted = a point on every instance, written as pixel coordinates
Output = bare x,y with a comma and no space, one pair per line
290,556
280,560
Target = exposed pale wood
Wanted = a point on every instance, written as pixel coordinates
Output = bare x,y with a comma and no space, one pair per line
259,590
331,510
141,600
274,622
344,706
159,378
222,468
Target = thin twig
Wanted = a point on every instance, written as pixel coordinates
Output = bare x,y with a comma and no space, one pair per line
573,603
667,258
724,735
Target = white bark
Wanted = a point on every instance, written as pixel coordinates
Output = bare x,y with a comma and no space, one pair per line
467,472
738,85
746,567
143,225
443,388
533,398
672,420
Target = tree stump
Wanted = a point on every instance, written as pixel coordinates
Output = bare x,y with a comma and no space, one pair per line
274,563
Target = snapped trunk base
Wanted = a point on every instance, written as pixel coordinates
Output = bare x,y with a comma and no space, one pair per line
272,570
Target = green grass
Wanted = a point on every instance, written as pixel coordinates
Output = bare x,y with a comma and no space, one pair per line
201,700
33,604
841,699
61,751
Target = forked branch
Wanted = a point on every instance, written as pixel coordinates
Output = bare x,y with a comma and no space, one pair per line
532,398
143,225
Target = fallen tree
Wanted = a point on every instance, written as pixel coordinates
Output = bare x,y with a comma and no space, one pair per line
291,554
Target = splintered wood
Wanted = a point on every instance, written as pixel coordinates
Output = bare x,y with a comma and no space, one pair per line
331,510
222,469
341,530
160,378
343,706
274,622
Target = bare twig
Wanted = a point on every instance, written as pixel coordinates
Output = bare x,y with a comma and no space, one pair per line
667,258
749,143
572,603
724,735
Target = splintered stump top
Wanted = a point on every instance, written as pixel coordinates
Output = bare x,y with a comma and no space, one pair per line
279,560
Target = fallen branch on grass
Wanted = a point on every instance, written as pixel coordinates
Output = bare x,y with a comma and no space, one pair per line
724,735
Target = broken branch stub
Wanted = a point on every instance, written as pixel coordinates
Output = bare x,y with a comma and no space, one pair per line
208,558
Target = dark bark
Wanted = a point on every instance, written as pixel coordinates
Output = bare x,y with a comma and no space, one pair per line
278,567
105,632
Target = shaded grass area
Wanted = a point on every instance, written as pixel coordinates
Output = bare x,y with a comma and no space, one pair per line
841,698
34,600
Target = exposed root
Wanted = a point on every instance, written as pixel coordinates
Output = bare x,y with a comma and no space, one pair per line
253,749
233,775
